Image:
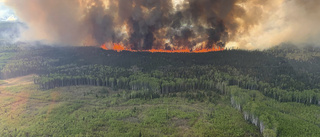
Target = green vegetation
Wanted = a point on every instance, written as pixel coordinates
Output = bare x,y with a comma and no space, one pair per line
99,111
275,118
6,53
86,91
2,82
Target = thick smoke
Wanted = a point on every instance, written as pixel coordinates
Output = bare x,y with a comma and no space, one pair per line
294,21
168,24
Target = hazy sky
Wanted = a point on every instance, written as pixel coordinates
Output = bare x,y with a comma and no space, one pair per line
6,14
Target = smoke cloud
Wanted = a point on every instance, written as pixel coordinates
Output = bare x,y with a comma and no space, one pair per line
170,24
292,21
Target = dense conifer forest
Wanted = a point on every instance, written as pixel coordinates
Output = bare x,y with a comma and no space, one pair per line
275,91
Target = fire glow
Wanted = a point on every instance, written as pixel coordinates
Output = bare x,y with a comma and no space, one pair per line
119,48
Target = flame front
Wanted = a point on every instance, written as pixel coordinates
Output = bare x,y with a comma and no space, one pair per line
118,47
104,47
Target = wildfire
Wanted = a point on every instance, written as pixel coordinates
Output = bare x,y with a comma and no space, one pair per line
119,48
104,47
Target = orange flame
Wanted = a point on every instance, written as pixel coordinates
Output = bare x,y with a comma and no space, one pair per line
119,48
104,47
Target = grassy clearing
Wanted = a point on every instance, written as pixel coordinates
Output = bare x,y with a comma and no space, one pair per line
99,111
2,82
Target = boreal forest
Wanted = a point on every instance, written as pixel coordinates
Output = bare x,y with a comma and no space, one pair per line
88,91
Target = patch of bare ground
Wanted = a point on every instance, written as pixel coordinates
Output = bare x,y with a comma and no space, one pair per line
20,101
23,101
18,81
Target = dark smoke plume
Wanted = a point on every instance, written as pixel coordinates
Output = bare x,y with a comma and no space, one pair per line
148,24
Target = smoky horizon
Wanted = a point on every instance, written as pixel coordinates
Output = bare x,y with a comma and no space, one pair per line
169,24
